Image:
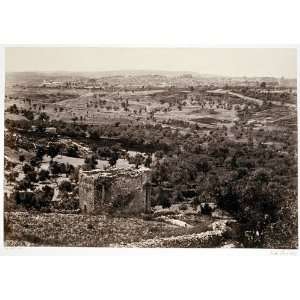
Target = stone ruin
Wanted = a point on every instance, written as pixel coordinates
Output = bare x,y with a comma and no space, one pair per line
125,190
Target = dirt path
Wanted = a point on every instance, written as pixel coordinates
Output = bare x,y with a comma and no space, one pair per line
256,100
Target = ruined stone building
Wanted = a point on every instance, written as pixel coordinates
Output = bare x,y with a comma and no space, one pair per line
127,190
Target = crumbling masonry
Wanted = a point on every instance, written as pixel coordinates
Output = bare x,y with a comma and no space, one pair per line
127,190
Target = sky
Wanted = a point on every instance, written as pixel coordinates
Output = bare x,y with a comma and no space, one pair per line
249,62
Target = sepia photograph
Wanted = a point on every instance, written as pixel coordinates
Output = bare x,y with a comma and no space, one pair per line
133,147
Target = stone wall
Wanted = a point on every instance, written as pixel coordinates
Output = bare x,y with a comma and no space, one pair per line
86,193
208,239
132,188
120,189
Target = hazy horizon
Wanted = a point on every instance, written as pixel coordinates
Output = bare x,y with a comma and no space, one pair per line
231,62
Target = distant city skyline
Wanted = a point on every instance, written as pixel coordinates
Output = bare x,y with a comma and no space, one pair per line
232,62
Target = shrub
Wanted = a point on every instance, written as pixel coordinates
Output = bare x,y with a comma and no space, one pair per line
35,200
164,198
24,184
65,186
206,209
90,162
43,175
31,176
183,207
72,150
27,168
90,226
53,149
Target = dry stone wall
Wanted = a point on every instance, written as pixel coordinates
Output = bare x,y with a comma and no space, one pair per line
208,239
122,189
86,193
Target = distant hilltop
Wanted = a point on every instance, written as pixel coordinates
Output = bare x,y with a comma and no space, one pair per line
98,74
39,77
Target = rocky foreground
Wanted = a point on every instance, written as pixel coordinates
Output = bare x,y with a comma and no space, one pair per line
75,230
